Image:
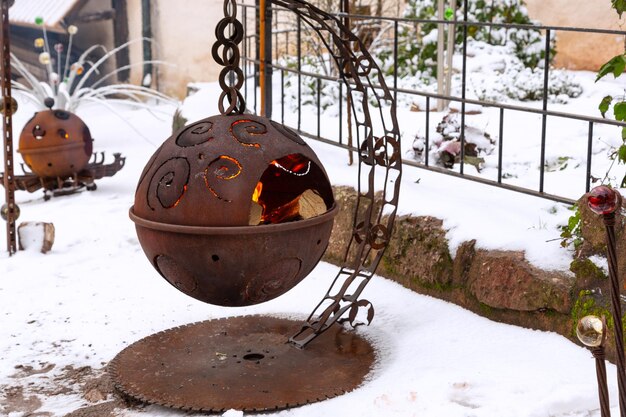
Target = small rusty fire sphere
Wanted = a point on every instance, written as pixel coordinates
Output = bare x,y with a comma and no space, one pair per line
55,144
57,148
235,210
219,210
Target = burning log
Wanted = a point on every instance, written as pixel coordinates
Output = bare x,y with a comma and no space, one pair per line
307,205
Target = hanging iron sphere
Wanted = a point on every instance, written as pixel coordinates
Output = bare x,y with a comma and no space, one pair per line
234,210
55,144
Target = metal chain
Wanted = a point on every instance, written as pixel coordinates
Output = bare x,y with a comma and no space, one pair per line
225,51
9,107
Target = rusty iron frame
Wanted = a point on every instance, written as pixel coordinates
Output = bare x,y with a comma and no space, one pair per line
7,129
374,216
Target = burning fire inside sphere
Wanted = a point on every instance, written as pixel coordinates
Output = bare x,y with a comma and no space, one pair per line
234,210
55,144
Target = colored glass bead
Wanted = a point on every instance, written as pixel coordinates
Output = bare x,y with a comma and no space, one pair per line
603,200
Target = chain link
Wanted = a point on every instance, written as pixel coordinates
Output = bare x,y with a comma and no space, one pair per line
225,51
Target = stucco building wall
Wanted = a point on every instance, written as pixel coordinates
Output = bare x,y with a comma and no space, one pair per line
183,33
583,51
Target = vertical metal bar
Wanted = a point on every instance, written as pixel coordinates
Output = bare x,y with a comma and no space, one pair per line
603,389
257,23
265,56
269,68
345,8
262,50
282,96
544,118
244,60
120,37
275,25
319,104
299,54
500,144
146,32
589,150
616,308
7,130
340,112
427,144
440,52
463,85
395,63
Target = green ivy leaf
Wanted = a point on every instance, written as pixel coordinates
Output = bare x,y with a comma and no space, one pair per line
572,222
621,154
619,109
624,134
604,105
619,5
449,13
616,65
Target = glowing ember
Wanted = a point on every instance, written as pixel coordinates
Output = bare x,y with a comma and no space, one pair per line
286,193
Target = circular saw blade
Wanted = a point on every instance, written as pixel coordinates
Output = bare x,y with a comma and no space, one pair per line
242,363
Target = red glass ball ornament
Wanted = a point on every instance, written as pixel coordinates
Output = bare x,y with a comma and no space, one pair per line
603,200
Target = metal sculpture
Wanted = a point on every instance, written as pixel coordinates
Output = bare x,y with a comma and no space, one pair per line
192,211
230,185
374,217
56,145
591,330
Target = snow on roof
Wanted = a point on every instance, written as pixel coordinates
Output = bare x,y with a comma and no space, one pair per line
24,12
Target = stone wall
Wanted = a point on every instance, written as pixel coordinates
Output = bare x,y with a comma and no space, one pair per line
500,285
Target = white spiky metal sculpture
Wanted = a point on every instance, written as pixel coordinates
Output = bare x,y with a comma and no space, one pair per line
56,144
67,82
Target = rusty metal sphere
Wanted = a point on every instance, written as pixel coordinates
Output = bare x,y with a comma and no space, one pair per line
55,143
221,210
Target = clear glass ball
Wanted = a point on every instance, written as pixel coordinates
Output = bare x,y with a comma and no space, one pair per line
591,331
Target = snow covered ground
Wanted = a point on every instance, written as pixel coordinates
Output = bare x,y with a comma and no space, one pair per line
95,293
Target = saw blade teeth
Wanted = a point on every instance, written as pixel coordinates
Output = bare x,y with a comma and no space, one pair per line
253,366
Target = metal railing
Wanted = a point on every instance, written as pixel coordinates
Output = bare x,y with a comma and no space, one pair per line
292,30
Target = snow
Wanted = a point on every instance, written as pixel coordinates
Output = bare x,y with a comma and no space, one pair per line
31,236
95,293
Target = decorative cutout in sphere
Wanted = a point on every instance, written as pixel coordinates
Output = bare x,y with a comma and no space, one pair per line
603,200
591,331
55,143
234,210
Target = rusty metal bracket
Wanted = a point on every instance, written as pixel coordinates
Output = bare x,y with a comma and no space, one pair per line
8,107
378,150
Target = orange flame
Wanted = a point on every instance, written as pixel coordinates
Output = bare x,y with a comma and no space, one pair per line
257,192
